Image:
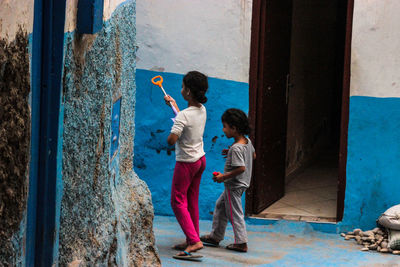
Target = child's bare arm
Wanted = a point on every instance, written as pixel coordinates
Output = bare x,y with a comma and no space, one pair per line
172,138
225,176
170,101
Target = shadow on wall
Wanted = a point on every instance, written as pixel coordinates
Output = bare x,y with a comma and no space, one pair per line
154,160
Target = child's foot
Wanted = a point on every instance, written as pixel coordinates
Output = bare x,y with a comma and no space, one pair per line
180,246
190,248
194,247
209,240
238,247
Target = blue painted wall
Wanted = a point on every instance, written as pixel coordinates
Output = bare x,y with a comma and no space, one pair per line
373,167
154,160
373,161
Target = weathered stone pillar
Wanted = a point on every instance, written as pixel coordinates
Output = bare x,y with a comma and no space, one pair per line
106,210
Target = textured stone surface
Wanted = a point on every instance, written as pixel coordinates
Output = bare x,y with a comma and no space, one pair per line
106,210
15,121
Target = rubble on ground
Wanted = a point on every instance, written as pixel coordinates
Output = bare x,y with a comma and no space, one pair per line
376,239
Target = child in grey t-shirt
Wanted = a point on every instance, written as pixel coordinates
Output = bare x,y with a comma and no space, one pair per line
236,178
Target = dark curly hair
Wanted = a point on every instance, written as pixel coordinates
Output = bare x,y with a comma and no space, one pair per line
197,83
237,118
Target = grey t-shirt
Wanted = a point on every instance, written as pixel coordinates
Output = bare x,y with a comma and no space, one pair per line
240,155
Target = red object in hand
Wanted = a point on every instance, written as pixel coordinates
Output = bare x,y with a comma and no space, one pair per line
215,173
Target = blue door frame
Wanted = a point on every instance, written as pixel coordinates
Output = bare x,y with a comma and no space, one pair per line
45,165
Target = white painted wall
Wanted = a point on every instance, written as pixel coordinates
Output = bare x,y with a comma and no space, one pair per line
13,14
212,36
72,9
375,64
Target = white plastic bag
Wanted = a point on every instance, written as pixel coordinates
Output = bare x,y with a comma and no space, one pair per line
391,218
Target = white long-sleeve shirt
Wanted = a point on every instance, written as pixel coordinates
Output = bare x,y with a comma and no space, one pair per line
189,127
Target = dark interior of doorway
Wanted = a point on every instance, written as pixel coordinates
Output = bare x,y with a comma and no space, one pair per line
313,112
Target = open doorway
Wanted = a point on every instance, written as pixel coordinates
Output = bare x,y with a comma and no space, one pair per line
298,106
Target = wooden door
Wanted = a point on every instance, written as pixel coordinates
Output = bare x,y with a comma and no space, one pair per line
269,73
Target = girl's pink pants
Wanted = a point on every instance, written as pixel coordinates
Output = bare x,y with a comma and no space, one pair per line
185,197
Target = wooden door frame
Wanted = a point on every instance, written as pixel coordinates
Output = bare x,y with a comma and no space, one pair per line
345,112
256,69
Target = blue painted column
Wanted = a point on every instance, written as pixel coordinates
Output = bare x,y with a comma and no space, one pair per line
90,16
45,175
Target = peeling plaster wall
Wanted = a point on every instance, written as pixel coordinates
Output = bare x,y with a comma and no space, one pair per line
106,210
16,22
15,14
15,118
373,168
175,37
71,11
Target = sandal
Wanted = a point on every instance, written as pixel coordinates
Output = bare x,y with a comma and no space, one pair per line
238,247
183,246
209,241
187,256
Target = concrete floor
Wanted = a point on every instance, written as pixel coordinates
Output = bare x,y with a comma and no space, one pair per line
284,243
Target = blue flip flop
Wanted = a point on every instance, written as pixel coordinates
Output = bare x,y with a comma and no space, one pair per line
188,256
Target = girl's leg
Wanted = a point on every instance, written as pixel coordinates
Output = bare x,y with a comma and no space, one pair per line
193,193
180,184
